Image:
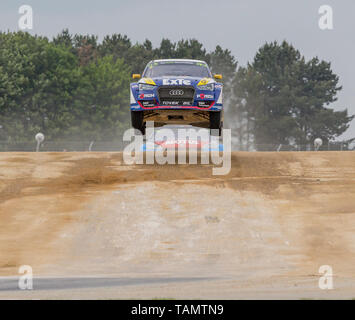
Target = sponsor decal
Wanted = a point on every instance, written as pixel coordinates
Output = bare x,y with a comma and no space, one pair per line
176,103
146,95
205,96
204,81
204,104
148,103
176,82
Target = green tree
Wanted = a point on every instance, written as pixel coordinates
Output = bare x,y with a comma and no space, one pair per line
166,50
101,109
116,45
64,39
286,98
223,62
37,82
74,86
191,49
139,55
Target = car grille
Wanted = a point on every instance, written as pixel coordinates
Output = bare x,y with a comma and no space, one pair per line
176,95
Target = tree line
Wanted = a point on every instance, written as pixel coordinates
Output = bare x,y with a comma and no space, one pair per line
73,87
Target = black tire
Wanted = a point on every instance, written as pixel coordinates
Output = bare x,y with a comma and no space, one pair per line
215,122
137,121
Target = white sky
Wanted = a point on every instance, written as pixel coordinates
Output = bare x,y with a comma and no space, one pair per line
239,25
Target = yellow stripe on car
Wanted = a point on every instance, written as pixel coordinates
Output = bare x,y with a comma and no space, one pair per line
148,81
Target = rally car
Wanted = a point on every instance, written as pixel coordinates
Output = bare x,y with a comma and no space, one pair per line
177,91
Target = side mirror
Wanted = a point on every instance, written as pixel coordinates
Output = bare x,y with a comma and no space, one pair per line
218,76
136,76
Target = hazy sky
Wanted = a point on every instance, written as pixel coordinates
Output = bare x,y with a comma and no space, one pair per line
240,25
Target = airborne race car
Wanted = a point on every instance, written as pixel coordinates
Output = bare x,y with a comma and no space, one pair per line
177,91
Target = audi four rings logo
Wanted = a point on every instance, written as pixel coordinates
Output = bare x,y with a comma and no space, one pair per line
176,92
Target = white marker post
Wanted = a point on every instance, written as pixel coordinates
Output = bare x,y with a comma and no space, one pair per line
39,138
317,143
90,146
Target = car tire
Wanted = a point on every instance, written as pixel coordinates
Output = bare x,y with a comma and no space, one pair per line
215,122
137,121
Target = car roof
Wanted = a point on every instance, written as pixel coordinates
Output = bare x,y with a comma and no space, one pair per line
180,60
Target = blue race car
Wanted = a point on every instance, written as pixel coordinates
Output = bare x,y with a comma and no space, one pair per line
177,91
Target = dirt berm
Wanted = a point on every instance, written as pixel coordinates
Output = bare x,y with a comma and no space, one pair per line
177,231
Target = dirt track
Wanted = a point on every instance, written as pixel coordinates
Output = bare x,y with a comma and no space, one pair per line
262,231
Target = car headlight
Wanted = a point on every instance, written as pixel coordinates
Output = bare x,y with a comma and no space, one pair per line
207,87
144,86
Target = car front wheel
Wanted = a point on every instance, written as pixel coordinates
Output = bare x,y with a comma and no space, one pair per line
137,121
215,122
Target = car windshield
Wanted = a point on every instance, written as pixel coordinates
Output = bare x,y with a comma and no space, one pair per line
178,69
